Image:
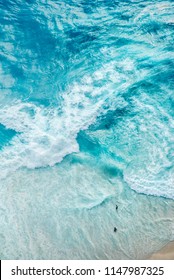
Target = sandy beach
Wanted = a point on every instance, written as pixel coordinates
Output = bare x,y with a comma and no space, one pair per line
166,253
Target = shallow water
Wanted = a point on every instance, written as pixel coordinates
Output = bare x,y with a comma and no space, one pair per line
86,123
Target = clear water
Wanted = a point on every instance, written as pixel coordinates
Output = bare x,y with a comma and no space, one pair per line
86,123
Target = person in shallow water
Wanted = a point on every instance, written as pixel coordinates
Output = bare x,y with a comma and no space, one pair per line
116,207
115,229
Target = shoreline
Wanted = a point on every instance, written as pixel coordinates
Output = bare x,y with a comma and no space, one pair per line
165,253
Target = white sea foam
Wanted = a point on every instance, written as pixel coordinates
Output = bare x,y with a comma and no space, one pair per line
150,170
154,180
46,135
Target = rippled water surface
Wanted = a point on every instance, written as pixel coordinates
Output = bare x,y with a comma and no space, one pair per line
86,123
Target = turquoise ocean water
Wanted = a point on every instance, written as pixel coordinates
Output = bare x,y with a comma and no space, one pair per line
86,123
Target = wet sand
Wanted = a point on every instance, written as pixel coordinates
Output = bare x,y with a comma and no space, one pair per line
166,253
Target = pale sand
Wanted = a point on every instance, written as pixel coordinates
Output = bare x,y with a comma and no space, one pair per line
166,253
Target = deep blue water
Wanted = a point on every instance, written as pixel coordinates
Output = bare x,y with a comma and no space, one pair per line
86,122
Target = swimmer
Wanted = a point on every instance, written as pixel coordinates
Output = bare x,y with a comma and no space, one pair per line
115,229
